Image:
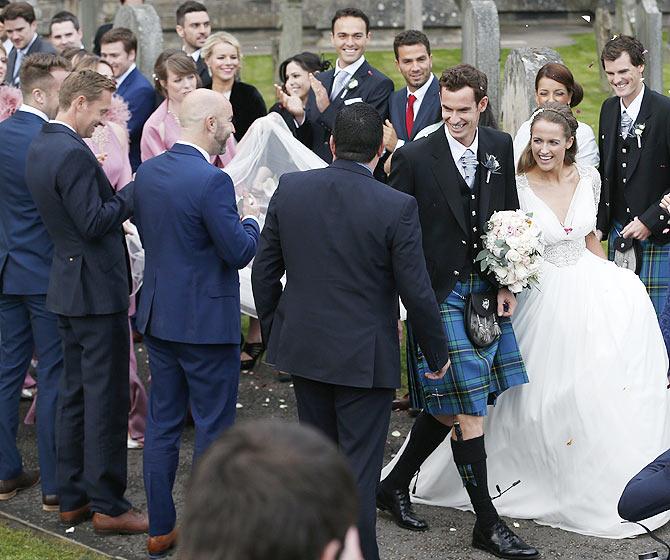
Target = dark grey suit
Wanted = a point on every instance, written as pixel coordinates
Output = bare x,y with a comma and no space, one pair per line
39,46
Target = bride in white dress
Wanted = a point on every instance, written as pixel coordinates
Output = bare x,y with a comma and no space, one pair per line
596,409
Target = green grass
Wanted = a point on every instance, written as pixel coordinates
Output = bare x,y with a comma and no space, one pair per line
582,58
24,544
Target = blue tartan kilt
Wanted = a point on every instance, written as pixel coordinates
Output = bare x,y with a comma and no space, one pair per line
477,375
655,269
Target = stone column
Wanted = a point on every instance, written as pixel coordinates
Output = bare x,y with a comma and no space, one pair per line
290,41
518,91
649,30
90,14
414,14
625,17
480,43
604,29
144,22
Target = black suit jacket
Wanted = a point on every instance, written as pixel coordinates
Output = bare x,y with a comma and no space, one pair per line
348,245
248,105
303,132
83,215
203,72
372,87
648,169
40,45
425,169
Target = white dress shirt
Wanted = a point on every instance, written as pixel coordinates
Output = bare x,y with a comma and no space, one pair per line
419,94
633,109
54,121
458,149
28,109
351,69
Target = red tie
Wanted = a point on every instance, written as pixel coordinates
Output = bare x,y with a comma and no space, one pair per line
409,115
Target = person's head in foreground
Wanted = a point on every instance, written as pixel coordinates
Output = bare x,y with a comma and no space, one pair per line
271,491
358,134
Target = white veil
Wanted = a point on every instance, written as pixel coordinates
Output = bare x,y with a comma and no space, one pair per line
267,151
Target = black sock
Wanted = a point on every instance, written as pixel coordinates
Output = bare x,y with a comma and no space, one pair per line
427,433
470,458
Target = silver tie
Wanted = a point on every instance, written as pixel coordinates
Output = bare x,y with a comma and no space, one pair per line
469,165
340,81
626,123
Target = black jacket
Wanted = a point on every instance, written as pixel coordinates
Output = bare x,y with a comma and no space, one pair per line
248,105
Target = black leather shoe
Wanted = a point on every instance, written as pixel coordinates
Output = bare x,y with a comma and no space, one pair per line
397,503
50,502
503,543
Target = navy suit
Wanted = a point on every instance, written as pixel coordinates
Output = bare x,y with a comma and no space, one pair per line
648,493
429,113
39,46
371,87
141,98
88,289
348,245
25,324
194,245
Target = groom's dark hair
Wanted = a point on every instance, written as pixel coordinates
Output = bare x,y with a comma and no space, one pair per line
268,490
358,132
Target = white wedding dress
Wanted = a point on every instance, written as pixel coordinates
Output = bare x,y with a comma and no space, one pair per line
596,409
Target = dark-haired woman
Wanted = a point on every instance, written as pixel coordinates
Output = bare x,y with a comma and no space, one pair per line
292,96
554,82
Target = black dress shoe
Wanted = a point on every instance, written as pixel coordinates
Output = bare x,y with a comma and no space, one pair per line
50,502
502,542
397,503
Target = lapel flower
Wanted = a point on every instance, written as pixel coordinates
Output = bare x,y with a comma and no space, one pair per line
638,130
492,166
352,83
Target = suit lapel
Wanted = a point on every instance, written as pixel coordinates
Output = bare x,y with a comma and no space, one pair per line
397,114
484,149
327,78
446,176
362,74
610,127
429,109
643,118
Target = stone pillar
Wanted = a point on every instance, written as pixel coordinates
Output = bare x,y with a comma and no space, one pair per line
625,17
144,22
414,14
649,30
480,43
518,91
90,14
604,29
290,41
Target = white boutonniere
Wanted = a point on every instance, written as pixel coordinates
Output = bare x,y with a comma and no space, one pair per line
638,130
352,83
492,166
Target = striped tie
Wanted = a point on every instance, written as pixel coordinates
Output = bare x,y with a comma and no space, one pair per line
469,164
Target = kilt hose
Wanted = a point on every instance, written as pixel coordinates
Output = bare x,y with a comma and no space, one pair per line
477,375
655,270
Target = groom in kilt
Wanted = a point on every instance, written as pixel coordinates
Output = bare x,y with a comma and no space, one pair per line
634,139
460,175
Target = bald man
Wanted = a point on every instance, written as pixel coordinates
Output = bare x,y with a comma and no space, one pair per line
194,244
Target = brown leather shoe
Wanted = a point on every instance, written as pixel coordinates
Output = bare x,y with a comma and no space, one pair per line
130,523
75,516
160,545
9,488
50,502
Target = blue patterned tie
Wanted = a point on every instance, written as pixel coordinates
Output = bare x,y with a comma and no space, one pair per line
626,123
469,164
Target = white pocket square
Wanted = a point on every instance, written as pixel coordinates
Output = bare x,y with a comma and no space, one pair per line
353,100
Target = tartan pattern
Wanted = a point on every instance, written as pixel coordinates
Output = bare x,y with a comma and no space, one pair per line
467,475
477,375
655,269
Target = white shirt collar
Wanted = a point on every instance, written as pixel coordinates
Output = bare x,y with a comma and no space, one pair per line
458,149
54,121
123,76
203,152
634,108
27,47
28,109
351,69
421,92
195,55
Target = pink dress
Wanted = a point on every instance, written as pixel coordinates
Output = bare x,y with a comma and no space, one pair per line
162,130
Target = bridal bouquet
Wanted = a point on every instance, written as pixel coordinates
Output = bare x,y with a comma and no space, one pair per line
512,250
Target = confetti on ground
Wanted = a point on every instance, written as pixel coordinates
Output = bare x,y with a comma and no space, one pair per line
452,529
282,400
264,404
395,433
69,530
283,406
239,405
516,525
291,385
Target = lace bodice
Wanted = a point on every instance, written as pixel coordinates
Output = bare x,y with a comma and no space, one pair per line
565,243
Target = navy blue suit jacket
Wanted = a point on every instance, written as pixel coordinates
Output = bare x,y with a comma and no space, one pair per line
83,215
141,97
429,113
372,88
26,249
194,244
349,245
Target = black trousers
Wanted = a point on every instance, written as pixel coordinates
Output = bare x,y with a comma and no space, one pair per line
92,415
358,421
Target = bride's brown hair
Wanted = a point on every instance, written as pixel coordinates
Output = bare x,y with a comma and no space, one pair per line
555,113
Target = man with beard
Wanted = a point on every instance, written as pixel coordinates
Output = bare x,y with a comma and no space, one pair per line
193,27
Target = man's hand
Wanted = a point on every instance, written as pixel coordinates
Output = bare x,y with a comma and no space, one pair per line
665,203
101,157
322,99
249,207
506,303
435,375
390,137
636,229
598,234
291,103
